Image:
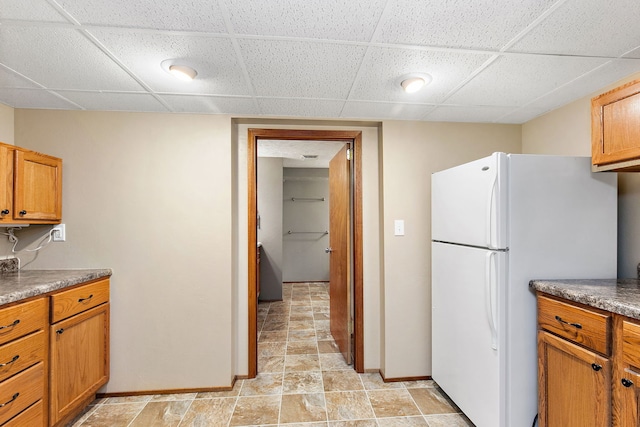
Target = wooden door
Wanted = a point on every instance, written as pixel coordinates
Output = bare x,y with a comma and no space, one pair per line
340,259
79,360
574,385
38,187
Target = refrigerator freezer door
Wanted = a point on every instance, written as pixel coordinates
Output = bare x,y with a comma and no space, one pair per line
468,203
467,329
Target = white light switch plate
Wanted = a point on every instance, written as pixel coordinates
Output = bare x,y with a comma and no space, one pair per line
398,227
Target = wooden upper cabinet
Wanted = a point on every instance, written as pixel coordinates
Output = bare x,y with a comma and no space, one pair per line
615,129
30,186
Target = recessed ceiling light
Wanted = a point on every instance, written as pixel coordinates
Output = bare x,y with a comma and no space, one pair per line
183,72
414,82
179,69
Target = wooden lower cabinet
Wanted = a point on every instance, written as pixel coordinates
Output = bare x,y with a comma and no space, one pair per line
575,384
79,361
578,386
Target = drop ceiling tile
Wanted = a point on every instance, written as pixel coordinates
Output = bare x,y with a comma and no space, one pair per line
34,10
34,98
473,114
384,110
109,101
588,84
481,24
192,15
301,69
213,58
516,80
382,69
211,104
61,58
586,27
522,115
321,19
300,107
9,78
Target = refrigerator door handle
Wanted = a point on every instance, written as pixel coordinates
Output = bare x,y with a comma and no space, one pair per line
490,293
489,226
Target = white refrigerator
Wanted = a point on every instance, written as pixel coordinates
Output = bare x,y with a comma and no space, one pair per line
497,223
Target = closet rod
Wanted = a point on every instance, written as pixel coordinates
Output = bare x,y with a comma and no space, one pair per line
307,232
307,199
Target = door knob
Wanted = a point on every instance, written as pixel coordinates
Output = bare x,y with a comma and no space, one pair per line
328,250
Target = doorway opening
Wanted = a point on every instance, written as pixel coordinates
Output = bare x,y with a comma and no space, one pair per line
355,250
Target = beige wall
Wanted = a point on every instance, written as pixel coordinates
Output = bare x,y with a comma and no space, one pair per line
567,131
411,152
149,196
6,124
270,231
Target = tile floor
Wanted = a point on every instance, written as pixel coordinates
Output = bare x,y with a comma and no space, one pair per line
303,380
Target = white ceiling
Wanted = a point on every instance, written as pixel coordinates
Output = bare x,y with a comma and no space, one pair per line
504,61
293,152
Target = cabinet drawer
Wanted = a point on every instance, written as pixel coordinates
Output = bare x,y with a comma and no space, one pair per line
588,327
22,319
22,353
21,391
68,303
30,417
631,343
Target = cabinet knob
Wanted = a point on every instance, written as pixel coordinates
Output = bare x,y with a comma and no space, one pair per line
60,331
4,212
627,383
596,367
23,212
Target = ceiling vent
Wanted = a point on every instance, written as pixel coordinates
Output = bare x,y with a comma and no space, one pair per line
310,156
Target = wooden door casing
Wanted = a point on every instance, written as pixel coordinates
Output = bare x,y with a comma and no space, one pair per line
354,137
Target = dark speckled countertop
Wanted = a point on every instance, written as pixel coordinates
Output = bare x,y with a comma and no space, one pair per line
19,285
621,296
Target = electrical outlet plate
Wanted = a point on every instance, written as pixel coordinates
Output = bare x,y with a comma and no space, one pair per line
59,234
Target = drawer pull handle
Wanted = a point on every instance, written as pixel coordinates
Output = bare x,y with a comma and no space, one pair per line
15,322
16,357
4,212
60,331
85,299
14,397
575,325
596,367
627,383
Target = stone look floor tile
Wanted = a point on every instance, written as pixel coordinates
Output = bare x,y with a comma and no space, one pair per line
302,347
432,401
402,421
345,380
333,362
302,362
116,415
392,403
375,382
348,405
328,347
451,420
209,412
256,410
263,384
162,414
317,388
301,408
302,382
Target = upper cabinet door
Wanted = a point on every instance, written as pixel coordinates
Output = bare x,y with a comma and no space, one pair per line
37,187
6,183
615,129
